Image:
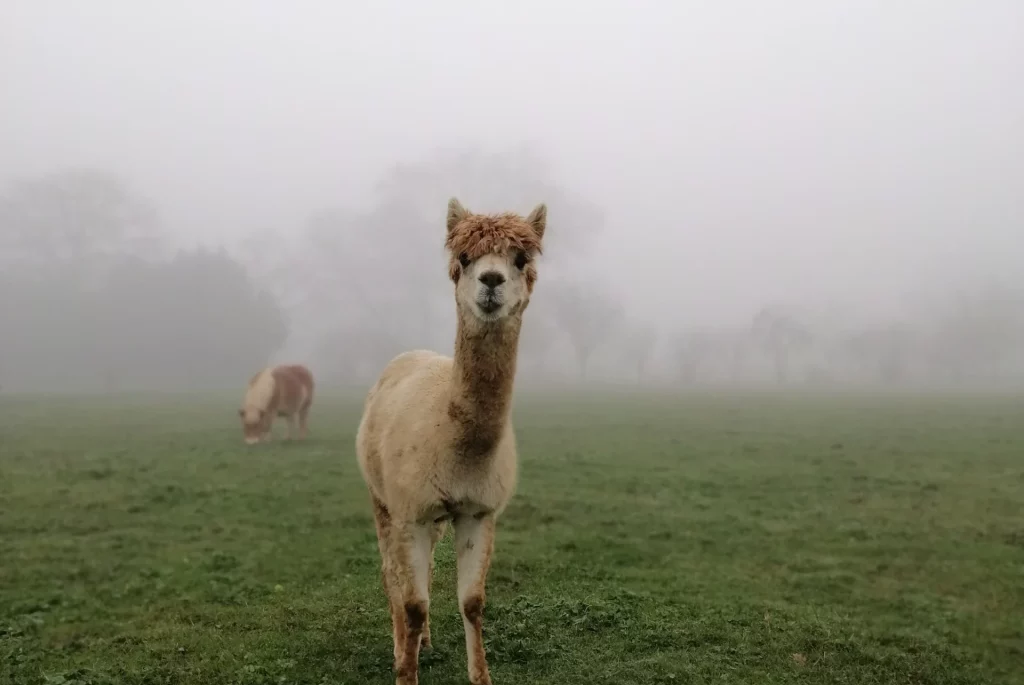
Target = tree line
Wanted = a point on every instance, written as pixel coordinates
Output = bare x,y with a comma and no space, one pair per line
93,298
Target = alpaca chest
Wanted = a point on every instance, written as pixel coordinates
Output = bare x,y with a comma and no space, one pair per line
450,510
471,489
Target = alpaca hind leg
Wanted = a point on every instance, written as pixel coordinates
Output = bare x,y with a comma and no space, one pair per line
474,543
436,534
303,416
410,551
382,520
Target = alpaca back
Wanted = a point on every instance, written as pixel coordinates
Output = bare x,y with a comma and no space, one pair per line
411,392
260,395
302,374
295,388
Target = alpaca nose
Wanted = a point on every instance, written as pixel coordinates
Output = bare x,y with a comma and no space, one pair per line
492,279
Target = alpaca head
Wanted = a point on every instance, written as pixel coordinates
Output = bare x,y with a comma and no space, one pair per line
252,424
491,260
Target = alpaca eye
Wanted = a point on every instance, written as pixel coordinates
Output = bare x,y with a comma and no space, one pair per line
521,261
464,260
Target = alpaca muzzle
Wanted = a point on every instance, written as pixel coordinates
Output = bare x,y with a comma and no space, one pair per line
489,303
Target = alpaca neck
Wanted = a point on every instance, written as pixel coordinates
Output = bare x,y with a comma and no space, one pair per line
482,379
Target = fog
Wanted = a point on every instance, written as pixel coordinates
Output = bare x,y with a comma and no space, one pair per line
808,192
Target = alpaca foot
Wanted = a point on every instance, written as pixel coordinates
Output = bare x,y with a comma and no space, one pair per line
407,678
481,677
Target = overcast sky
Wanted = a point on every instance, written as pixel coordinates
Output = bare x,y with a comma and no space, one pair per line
796,150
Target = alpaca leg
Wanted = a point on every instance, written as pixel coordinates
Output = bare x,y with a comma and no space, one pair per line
410,550
382,519
474,543
291,426
436,534
303,415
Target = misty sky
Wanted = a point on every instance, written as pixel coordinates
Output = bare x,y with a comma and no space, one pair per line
743,151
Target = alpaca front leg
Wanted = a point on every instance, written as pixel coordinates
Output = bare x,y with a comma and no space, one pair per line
474,543
303,416
398,630
389,579
411,552
435,535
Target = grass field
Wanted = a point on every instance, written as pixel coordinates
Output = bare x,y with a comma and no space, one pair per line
690,540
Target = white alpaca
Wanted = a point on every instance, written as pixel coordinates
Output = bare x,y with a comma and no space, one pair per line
285,390
435,443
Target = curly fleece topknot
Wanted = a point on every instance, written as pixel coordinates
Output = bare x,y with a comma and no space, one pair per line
478,234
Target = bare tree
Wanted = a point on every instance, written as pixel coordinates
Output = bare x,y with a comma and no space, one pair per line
638,342
195,320
362,263
539,338
888,349
693,350
779,335
980,334
588,318
75,217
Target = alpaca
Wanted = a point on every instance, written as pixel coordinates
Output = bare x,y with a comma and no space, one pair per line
285,390
435,443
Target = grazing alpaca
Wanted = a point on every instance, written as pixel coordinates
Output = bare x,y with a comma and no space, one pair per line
285,390
436,443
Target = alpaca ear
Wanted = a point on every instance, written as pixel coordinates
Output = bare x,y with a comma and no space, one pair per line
538,220
456,213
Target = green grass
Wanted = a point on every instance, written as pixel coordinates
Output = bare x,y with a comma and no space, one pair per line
652,540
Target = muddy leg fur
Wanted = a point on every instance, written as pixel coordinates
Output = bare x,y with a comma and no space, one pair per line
410,545
382,519
474,543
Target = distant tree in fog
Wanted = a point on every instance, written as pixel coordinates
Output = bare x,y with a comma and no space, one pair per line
73,218
779,335
388,260
693,350
538,338
588,318
637,343
189,322
89,299
980,333
515,178
356,345
889,350
197,316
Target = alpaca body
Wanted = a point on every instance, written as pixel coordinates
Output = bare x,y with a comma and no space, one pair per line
407,446
285,390
435,444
